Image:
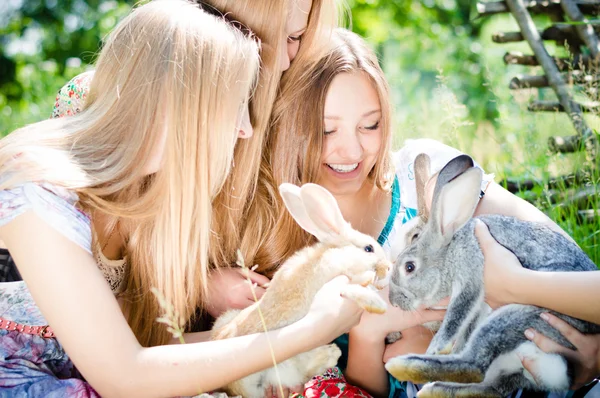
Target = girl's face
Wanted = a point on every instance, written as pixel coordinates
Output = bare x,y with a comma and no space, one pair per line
295,28
352,133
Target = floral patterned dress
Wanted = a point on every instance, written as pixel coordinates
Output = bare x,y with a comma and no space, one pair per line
30,365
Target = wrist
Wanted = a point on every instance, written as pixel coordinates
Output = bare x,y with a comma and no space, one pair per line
516,286
313,332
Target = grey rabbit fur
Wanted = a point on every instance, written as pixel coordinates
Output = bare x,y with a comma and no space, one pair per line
441,258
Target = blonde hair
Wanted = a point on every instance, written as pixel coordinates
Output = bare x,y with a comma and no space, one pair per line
240,221
170,67
294,150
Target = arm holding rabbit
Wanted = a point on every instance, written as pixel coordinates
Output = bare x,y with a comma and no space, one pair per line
75,299
507,282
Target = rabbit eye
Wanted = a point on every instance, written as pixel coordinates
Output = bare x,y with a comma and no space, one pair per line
369,249
414,237
409,266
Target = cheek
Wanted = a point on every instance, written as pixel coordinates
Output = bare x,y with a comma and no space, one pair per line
372,143
328,147
292,50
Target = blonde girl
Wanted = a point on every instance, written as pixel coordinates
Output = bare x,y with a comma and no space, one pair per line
141,165
289,30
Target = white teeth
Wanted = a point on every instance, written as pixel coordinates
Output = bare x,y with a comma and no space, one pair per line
343,168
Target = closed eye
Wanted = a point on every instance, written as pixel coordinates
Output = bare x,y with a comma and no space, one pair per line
292,39
372,127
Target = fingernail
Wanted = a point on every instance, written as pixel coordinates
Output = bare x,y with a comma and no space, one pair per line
545,316
529,334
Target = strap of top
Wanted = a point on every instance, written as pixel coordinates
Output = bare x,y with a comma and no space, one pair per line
395,207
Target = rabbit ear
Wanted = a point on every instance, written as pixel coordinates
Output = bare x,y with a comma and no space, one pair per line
450,171
422,175
456,203
293,202
323,210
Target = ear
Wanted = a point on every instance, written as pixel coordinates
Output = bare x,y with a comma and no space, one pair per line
422,175
450,171
323,209
293,202
456,203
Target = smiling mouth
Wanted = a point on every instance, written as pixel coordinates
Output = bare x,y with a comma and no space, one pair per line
342,168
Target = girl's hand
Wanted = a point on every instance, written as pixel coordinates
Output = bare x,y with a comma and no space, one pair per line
275,392
331,314
377,326
586,357
229,288
501,267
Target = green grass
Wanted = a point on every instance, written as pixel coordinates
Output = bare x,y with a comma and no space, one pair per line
514,146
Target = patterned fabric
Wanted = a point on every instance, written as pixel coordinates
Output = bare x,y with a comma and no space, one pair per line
331,384
71,97
32,366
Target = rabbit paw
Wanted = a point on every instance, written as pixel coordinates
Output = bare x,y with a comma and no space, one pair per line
443,350
421,369
366,298
393,337
322,358
448,390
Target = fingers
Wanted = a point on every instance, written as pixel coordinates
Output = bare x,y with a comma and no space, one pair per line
486,240
529,365
569,332
257,278
258,292
275,392
546,344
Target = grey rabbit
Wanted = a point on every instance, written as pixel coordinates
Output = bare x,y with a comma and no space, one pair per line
441,257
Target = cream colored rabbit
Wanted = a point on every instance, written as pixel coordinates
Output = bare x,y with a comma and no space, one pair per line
341,250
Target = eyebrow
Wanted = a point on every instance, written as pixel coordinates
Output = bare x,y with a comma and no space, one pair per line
364,115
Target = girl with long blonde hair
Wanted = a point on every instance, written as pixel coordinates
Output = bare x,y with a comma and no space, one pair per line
293,34
135,173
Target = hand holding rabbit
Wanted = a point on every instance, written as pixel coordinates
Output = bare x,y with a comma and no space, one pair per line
228,288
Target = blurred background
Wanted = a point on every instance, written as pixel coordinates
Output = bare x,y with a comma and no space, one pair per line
448,78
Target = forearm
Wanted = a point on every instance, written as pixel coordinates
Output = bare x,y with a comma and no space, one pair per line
194,368
497,200
576,294
365,367
188,338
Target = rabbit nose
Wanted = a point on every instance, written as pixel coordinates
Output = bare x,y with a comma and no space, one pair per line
382,268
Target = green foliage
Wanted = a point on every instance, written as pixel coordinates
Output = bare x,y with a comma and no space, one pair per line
43,44
447,77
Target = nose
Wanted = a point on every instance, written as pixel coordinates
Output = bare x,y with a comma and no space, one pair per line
245,130
352,148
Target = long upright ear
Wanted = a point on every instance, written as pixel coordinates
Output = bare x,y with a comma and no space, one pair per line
450,171
322,209
422,175
293,202
456,203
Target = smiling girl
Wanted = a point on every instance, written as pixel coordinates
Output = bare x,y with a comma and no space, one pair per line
337,132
